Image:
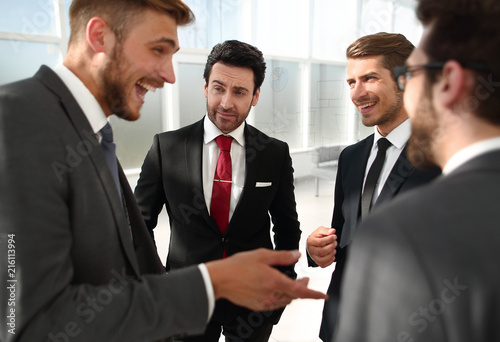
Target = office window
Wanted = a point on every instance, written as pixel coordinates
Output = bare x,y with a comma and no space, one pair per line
376,16
333,28
279,112
216,21
304,100
20,60
328,116
192,102
281,27
28,17
406,22
133,139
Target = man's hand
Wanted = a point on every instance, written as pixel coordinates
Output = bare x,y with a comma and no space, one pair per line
248,279
321,246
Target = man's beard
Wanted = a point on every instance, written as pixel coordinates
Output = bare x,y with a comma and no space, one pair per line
391,113
424,134
114,86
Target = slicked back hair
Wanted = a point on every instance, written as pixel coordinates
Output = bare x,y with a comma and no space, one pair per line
238,54
394,48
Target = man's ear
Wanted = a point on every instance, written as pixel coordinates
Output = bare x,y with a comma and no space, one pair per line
99,35
256,97
452,85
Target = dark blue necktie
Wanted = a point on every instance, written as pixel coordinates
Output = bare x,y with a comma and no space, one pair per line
109,148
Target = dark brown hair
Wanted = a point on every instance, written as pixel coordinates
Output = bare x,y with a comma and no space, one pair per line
239,54
467,31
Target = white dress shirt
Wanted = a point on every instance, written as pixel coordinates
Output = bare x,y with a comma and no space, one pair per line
97,119
470,152
87,102
210,156
398,137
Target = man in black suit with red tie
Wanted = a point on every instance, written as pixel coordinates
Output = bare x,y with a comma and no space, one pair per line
374,170
221,196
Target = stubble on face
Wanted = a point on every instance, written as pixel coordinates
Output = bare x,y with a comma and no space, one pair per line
226,126
391,115
113,85
424,134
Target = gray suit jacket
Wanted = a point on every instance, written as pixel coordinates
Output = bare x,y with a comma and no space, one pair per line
425,267
346,212
78,273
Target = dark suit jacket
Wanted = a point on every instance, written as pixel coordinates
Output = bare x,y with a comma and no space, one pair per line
348,189
425,267
78,274
172,176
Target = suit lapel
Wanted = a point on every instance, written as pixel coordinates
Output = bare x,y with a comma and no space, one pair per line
360,159
96,155
146,260
399,173
193,151
252,162
354,175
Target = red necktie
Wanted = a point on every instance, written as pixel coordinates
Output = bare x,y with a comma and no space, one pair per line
221,192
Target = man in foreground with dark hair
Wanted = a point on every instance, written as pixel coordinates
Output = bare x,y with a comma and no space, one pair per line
217,210
78,263
374,170
425,267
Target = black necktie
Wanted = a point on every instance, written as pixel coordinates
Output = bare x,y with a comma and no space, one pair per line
109,148
373,175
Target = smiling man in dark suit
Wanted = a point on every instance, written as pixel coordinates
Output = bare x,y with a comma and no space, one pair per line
180,173
425,267
81,264
358,186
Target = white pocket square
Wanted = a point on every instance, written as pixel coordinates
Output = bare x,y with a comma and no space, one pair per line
263,184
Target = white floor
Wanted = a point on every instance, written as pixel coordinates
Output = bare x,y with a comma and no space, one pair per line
301,320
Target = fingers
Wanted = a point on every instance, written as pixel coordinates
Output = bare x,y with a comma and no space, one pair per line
289,291
277,258
321,237
323,231
248,279
321,246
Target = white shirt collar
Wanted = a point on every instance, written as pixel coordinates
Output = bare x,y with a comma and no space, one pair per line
470,152
211,132
87,102
398,136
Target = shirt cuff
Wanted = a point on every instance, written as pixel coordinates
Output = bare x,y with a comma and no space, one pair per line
210,290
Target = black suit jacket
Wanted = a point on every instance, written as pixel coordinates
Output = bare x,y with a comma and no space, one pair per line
425,267
172,176
78,273
346,213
